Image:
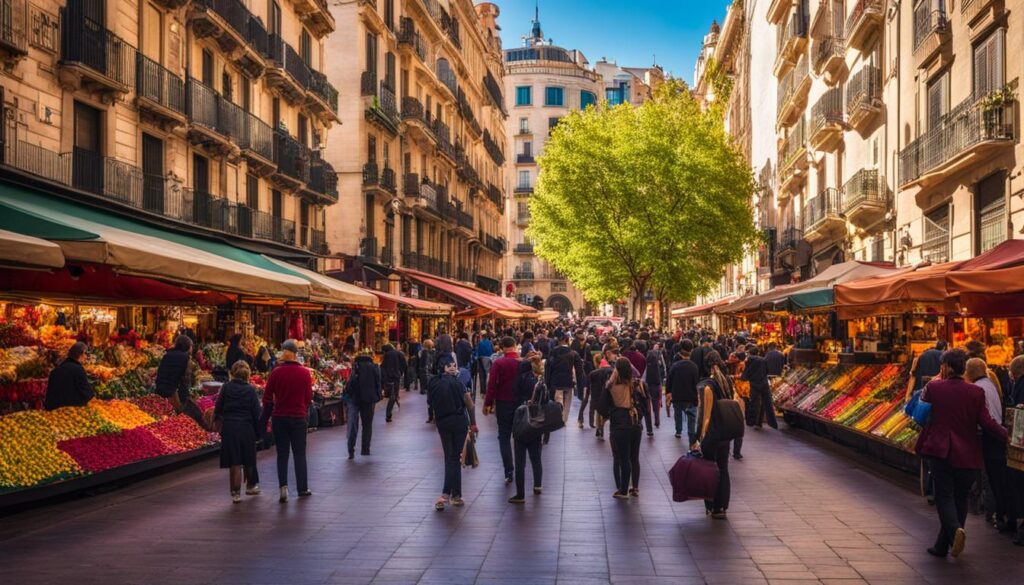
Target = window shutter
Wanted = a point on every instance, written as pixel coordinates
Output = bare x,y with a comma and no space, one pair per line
981,67
997,56
936,101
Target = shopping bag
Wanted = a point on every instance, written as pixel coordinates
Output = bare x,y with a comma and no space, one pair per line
918,409
693,478
469,456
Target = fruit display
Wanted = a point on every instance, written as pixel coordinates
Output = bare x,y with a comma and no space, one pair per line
102,452
29,453
865,398
121,413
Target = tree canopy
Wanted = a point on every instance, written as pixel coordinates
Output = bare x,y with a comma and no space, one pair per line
637,199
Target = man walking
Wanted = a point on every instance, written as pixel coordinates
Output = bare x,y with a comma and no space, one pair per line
363,392
393,367
654,375
756,372
681,384
563,372
501,400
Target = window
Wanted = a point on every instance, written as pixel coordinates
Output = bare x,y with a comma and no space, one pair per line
389,69
988,64
524,179
207,68
528,148
936,235
371,54
938,100
989,208
554,96
252,191
524,125
617,95
552,122
306,47
587,98
524,95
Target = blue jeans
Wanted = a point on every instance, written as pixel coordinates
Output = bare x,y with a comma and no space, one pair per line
687,411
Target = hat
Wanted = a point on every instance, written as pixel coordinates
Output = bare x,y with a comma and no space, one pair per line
290,345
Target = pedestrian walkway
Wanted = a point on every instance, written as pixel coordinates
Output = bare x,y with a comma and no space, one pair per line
801,512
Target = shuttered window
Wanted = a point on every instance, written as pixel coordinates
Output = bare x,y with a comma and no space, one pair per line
989,56
938,100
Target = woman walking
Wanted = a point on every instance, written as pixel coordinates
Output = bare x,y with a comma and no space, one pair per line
627,402
530,389
713,438
238,410
452,405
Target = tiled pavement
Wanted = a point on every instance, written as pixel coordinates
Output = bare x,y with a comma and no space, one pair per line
801,512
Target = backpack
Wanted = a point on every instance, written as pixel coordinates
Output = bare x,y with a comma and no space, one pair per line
727,417
442,399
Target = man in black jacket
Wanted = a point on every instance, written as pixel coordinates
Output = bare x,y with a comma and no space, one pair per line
682,385
774,359
563,372
697,356
68,385
393,367
579,345
363,392
756,372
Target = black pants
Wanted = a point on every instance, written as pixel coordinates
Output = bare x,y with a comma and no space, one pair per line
762,405
584,401
998,480
290,433
626,457
737,446
453,441
653,408
1015,497
360,413
952,486
719,453
532,448
505,412
391,391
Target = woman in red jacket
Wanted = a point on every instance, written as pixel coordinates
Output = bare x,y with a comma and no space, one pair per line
951,445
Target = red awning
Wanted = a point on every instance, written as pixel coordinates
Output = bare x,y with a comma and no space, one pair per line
469,296
991,284
923,286
391,302
705,309
81,282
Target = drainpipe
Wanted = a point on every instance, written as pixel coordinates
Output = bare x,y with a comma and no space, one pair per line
897,5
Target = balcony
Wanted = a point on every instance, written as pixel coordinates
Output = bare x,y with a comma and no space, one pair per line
523,218
215,121
523,190
974,10
524,249
523,274
496,245
288,73
793,159
370,252
256,140
494,196
444,143
13,26
865,198
382,111
931,30
316,15
789,243
236,31
864,21
970,132
293,161
92,57
793,92
447,77
161,94
827,120
322,98
323,181
863,96
494,92
778,9
791,41
410,39
415,118
494,150
829,57
425,195
381,180
525,159
314,240
823,216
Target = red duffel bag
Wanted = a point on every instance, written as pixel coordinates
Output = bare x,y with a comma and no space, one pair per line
693,478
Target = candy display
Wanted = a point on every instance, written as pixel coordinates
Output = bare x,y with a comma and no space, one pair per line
865,398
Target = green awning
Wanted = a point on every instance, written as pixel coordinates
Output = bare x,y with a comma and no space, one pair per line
86,234
812,299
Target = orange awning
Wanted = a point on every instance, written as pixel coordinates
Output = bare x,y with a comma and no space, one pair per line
470,296
390,302
923,286
705,309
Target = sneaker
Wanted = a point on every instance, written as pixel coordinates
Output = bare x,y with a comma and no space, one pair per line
620,495
236,497
959,540
537,490
440,504
678,436
283,497
719,515
305,494
458,501
517,499
634,493
253,491
508,477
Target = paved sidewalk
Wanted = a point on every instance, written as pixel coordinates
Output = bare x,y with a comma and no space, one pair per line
802,512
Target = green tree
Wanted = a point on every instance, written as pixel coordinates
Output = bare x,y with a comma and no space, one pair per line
637,199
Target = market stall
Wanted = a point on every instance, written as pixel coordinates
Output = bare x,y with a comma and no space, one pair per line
690,315
472,304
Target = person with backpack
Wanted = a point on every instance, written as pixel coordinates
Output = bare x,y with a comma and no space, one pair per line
363,392
529,389
654,376
454,417
721,421
623,402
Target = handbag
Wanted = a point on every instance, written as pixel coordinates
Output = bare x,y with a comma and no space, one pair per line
728,420
469,455
918,409
693,478
528,423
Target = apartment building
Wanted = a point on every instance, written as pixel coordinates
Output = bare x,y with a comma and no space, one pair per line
628,85
421,160
204,115
959,182
545,82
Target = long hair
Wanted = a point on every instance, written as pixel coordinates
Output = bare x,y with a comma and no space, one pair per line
623,373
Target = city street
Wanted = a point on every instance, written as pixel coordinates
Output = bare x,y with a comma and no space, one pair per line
802,511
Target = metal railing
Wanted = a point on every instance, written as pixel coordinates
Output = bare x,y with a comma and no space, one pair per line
795,28
525,248
864,88
935,240
286,57
429,195
322,178
826,49
91,45
525,159
494,91
864,187
291,156
971,122
371,174
408,35
790,239
794,145
157,84
267,226
818,209
791,82
447,76
256,136
929,18
257,36
368,250
828,110
520,274
860,10
493,149
39,161
368,83
13,19
322,88
206,107
388,180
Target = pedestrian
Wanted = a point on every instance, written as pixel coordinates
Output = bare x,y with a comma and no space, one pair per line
926,366
174,378
264,361
393,367
484,355
412,348
713,446
775,360
681,385
463,351
636,352
698,355
530,389
443,345
624,401
756,372
453,415
238,411
425,364
598,382
654,376
68,385
500,399
236,352
563,373
993,451
363,391
288,394
951,444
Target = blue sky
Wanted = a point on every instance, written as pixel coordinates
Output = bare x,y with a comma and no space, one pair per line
630,32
